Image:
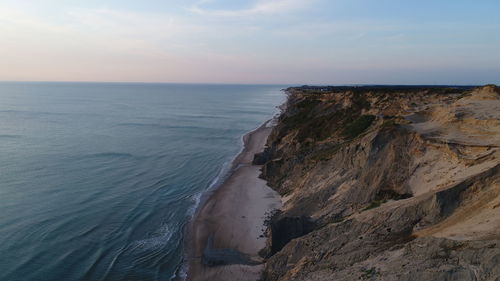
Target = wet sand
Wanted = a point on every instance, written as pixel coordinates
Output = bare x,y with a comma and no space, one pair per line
232,218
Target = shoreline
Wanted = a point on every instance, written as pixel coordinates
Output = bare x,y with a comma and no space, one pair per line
230,219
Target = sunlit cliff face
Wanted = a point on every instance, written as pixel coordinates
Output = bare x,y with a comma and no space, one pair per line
280,41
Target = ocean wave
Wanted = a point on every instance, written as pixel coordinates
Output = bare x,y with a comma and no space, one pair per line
109,154
196,199
203,116
221,176
10,136
36,113
158,126
158,240
181,272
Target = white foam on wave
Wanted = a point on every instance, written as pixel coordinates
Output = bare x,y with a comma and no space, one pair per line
196,198
225,171
181,273
158,240
278,110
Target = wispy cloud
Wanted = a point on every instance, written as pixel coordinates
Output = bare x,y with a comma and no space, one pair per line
260,7
230,41
98,29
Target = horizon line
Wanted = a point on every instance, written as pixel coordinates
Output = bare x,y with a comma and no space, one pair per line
256,84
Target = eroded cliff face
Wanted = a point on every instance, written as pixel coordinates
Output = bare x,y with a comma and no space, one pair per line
385,183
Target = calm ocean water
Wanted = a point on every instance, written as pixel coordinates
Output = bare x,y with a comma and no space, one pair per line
97,180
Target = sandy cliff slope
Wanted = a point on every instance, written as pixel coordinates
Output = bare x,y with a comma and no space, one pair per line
386,183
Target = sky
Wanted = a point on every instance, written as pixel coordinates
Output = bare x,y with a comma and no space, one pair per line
253,41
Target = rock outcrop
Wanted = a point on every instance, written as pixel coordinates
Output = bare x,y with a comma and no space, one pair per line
385,183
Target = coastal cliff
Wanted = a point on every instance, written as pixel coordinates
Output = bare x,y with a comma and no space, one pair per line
385,183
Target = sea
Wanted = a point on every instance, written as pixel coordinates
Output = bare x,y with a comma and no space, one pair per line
98,180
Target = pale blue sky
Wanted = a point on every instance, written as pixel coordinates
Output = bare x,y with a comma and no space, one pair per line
254,41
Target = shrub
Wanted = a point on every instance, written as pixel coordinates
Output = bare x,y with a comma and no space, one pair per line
389,123
358,126
308,103
374,204
325,154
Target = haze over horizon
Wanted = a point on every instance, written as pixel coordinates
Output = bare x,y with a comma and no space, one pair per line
274,41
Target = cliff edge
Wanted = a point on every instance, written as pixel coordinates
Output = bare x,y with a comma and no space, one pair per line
385,183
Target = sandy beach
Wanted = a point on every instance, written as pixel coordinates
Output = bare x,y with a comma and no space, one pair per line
232,219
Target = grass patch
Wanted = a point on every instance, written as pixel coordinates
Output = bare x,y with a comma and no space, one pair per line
383,196
359,101
466,94
314,126
308,103
370,273
374,204
337,219
358,126
389,123
325,154
334,219
317,120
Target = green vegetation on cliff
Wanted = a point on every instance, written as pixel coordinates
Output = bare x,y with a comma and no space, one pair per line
358,126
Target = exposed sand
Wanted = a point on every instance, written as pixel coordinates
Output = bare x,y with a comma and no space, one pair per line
233,215
464,141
